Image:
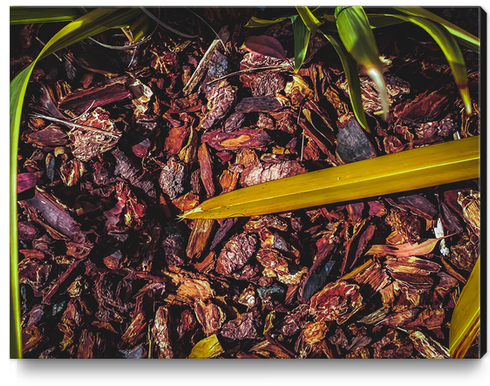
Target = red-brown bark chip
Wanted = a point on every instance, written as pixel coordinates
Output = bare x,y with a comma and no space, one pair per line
337,301
206,166
236,253
244,138
266,172
172,178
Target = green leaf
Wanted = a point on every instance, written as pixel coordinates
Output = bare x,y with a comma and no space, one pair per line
465,321
465,38
353,82
32,15
141,28
329,23
301,41
408,170
382,20
311,22
255,22
355,32
87,25
452,52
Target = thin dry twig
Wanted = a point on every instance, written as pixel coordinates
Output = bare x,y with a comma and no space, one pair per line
75,125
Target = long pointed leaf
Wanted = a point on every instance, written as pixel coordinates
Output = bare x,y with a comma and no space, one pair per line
311,22
465,322
87,25
465,38
355,32
32,15
353,81
413,169
256,22
452,52
301,41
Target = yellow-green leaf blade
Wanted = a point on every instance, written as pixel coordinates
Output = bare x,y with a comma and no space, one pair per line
301,41
141,28
452,52
409,170
356,35
256,22
353,82
206,348
311,22
465,321
87,25
32,15
382,20
464,37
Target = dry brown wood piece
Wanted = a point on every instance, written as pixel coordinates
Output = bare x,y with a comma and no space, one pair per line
236,253
206,166
200,237
244,138
81,100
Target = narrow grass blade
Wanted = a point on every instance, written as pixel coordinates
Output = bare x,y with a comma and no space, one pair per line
355,32
413,169
87,25
311,22
450,49
465,38
381,20
141,28
301,41
353,82
33,15
256,22
465,322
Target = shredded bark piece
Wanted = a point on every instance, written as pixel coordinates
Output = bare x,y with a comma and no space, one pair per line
236,253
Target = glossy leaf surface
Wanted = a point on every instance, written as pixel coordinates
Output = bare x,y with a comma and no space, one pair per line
465,322
413,169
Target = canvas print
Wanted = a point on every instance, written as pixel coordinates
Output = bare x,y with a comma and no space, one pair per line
246,182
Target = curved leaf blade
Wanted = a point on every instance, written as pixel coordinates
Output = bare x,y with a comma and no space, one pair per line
33,15
451,51
353,81
311,22
382,20
408,170
464,37
301,41
256,22
87,25
141,28
265,45
465,321
357,37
